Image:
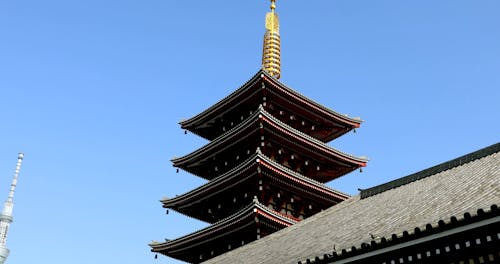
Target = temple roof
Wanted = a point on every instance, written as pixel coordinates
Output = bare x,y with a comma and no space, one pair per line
251,88
242,173
475,231
248,126
453,191
221,229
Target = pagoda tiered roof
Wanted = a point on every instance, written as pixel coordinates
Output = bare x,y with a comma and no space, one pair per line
262,129
217,194
266,162
324,123
236,230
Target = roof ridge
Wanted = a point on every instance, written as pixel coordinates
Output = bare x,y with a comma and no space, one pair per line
255,77
313,102
238,128
302,177
481,153
313,139
213,181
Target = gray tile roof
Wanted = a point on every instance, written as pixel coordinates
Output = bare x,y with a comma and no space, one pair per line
431,171
456,230
460,189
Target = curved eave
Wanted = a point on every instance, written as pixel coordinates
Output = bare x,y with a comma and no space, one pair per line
261,114
203,192
227,225
354,122
220,183
193,121
311,140
177,162
226,102
301,179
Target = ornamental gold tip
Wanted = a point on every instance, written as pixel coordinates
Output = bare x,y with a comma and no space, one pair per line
271,55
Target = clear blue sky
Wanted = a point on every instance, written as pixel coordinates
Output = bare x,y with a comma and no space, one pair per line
92,92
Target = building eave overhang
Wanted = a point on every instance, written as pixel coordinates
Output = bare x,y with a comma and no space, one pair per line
224,226
412,238
360,161
200,118
238,175
300,179
354,122
262,115
261,75
212,187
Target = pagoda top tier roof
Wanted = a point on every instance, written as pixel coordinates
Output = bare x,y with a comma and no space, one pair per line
260,117
203,124
246,170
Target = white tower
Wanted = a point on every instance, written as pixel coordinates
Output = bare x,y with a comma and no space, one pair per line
6,216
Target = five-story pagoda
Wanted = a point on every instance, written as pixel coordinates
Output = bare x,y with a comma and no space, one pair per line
267,162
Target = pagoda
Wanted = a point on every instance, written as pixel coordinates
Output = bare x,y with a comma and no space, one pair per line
267,162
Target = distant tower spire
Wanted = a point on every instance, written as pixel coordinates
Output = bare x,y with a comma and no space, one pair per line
271,55
6,216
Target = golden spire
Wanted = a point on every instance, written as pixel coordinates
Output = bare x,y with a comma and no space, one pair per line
271,58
